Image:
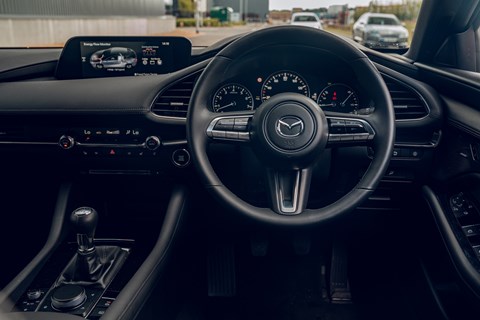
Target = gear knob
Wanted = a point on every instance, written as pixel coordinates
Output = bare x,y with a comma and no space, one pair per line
84,220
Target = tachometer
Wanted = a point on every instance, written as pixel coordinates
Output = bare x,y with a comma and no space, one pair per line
232,97
284,81
338,97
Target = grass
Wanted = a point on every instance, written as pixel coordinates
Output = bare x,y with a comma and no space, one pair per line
341,31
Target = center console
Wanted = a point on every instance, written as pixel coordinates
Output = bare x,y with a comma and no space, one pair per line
81,288
84,270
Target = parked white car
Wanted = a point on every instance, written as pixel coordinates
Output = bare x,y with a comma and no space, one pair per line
307,19
380,30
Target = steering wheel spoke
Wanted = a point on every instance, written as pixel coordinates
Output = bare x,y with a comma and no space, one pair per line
348,131
230,127
289,190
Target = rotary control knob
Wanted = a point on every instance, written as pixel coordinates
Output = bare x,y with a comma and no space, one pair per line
66,142
152,143
68,297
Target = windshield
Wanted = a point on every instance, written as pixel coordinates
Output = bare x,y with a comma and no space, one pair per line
50,23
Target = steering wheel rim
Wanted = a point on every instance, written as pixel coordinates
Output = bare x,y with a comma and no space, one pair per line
382,120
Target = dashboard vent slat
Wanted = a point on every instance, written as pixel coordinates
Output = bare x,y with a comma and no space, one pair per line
174,100
407,102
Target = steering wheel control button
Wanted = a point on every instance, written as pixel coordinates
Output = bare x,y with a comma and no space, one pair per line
225,124
346,137
241,124
66,142
244,136
152,143
218,134
349,130
336,126
231,135
68,297
360,137
352,126
334,137
181,158
233,128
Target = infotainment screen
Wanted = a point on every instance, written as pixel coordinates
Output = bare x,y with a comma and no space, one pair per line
89,57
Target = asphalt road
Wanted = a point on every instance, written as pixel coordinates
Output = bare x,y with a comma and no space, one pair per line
209,35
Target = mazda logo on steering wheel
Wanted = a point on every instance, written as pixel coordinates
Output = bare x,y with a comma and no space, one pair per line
289,126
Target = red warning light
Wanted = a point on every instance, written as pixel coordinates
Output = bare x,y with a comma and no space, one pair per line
112,152
334,95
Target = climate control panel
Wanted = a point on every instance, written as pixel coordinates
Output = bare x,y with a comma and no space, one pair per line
110,142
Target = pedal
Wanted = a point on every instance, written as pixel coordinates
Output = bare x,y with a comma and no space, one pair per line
324,283
221,271
339,286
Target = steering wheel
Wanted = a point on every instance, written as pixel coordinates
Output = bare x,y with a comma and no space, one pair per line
289,131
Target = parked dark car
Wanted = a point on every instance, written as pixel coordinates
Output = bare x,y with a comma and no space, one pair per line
380,30
286,173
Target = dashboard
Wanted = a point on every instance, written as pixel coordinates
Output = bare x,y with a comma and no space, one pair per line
91,120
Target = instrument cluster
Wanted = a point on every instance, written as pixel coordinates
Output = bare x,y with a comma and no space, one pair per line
317,74
245,94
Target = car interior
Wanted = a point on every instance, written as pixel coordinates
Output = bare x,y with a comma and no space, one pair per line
286,173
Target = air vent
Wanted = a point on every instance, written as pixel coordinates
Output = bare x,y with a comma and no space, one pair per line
173,101
407,102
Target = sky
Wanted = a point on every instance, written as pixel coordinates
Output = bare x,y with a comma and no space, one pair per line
310,4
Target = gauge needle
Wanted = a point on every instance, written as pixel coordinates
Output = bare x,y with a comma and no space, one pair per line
227,106
345,101
326,105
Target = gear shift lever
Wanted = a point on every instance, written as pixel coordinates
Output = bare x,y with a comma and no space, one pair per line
91,267
85,221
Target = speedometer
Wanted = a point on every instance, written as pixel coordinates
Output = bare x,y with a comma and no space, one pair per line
232,97
284,81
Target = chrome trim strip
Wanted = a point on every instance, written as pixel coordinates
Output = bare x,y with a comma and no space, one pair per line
89,145
174,143
284,208
432,144
109,145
